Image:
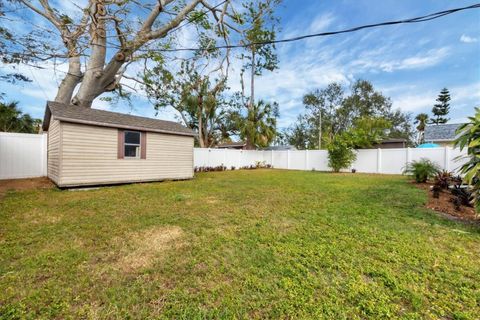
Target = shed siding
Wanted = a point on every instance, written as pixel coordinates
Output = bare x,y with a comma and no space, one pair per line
90,156
53,155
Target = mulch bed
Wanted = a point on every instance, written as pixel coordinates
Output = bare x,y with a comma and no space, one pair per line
24,184
443,205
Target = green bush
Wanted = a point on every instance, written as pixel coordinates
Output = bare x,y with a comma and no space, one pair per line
340,155
469,138
422,169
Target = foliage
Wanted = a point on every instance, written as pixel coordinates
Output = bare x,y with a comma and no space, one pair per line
469,138
13,120
441,109
262,27
340,113
421,121
197,98
259,124
252,244
365,132
443,179
340,154
422,170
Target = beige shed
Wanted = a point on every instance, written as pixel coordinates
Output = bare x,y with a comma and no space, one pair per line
96,147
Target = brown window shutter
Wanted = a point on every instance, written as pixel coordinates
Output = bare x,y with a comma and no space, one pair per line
143,145
120,147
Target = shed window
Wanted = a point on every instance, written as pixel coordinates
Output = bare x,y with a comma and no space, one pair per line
132,144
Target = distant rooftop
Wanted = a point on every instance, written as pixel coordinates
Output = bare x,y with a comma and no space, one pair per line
441,132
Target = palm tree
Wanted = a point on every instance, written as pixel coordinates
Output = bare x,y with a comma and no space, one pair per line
13,120
260,125
421,119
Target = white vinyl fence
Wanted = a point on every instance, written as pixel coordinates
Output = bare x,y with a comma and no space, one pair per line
25,156
388,161
22,155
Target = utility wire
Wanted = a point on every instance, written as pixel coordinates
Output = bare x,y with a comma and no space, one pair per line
427,17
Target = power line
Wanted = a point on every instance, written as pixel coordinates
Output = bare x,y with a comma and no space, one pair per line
427,17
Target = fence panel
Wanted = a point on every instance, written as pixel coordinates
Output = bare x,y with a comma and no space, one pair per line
393,161
22,155
25,156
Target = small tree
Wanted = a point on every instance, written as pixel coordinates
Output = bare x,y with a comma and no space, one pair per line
421,121
441,109
340,154
469,138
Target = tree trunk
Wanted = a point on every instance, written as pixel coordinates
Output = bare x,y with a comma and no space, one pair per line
249,142
201,140
70,81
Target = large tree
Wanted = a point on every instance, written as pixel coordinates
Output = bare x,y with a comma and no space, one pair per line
261,27
104,37
195,94
340,112
441,109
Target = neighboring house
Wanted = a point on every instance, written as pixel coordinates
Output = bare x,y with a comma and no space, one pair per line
442,134
281,148
240,145
94,147
391,144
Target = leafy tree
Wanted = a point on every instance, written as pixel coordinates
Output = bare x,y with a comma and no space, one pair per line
365,132
441,109
259,16
106,37
196,97
340,112
469,138
13,120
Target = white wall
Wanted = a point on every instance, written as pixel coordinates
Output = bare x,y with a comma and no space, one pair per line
388,161
22,155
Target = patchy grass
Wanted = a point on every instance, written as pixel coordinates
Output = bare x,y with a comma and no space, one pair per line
244,244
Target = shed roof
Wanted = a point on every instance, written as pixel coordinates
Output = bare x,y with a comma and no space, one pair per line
441,132
89,116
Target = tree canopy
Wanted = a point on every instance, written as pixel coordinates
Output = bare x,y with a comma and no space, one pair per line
12,119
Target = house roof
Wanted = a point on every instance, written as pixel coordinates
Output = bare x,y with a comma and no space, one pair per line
232,144
89,116
441,132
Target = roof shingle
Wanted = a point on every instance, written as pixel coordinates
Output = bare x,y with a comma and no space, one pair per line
75,114
441,132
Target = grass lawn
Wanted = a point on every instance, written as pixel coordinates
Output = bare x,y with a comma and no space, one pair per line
243,244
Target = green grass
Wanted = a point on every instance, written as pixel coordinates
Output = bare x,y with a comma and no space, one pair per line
243,244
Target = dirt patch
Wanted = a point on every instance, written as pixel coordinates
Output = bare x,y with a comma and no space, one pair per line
24,184
443,205
149,245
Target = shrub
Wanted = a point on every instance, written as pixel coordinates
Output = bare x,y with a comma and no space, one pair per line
469,138
340,155
422,170
443,179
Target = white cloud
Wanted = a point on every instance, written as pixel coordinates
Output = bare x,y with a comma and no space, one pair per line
467,39
375,61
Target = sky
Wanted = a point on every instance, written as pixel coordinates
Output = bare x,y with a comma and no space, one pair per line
408,63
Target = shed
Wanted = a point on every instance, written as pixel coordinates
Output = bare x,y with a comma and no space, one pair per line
96,147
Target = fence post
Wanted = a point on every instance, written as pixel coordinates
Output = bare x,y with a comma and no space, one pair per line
447,158
224,157
409,156
44,154
306,159
379,160
271,158
288,159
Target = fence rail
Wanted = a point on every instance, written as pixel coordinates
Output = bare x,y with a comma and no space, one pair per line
25,156
388,161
